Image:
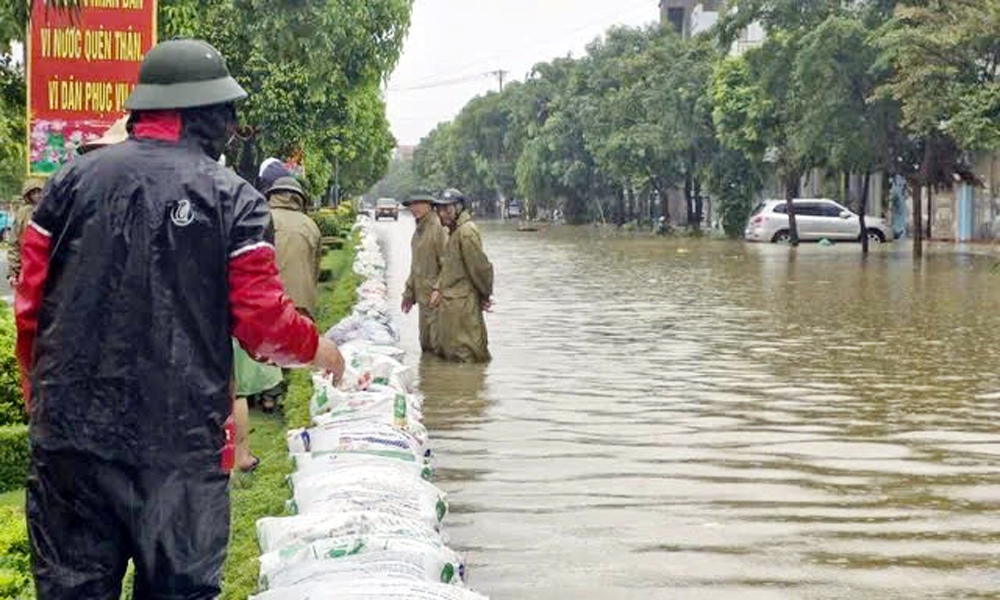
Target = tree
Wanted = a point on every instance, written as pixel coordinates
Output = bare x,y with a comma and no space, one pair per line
754,112
840,121
944,57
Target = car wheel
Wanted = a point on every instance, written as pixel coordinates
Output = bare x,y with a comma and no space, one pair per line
782,237
875,237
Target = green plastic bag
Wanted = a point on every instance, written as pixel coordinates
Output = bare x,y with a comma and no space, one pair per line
253,377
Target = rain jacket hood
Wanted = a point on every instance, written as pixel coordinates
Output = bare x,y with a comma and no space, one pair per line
298,243
287,200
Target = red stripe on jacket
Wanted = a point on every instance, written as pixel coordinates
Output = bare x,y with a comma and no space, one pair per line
28,299
264,319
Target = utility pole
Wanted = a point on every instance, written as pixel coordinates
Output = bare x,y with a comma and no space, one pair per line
500,73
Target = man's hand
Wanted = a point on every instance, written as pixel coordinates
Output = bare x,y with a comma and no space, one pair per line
329,359
486,305
407,306
435,298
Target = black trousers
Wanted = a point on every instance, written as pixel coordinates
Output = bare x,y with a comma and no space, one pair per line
88,517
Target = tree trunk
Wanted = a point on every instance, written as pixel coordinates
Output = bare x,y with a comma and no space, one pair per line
846,188
791,191
864,209
664,204
620,213
699,205
918,221
688,200
930,211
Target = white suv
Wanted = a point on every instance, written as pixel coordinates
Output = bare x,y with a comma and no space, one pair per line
816,219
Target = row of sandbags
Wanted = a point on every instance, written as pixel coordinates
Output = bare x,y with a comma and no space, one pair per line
366,521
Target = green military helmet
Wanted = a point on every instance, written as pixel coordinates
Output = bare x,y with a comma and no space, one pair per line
286,184
450,196
418,197
183,74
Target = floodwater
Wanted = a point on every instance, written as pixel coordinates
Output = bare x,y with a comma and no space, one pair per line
703,419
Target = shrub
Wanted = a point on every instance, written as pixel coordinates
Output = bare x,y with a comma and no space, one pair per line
335,222
14,457
15,555
11,400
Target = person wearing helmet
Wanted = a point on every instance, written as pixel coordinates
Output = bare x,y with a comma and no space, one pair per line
139,263
30,193
296,241
464,288
426,252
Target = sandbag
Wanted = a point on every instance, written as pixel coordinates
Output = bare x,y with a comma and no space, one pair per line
370,490
382,588
364,437
277,533
436,561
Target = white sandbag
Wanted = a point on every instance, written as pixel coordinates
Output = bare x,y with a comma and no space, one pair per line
436,561
370,490
393,408
383,588
395,564
362,346
334,437
323,462
278,533
357,470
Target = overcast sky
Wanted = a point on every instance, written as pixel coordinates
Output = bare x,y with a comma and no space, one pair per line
452,44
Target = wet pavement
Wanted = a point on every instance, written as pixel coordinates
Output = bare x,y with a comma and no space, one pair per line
704,419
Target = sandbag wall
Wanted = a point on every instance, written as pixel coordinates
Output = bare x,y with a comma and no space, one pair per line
367,521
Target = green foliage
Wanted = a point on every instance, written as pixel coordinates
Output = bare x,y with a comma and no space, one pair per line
945,69
15,456
11,399
15,556
313,72
335,222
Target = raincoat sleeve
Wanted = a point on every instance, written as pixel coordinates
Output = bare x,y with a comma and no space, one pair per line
477,266
35,243
409,293
264,319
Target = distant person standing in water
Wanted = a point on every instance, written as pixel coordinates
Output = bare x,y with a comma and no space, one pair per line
427,250
464,288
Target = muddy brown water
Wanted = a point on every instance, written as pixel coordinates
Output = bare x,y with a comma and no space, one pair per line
703,419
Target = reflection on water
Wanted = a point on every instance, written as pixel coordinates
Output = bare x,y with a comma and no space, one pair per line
694,419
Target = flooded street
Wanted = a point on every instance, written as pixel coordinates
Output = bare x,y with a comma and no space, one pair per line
699,419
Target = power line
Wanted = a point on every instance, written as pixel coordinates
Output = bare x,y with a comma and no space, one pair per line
445,82
433,81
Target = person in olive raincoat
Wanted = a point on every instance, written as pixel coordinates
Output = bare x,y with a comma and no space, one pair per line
464,288
30,194
140,262
427,249
296,242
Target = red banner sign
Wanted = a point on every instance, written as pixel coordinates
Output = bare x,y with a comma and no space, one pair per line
82,66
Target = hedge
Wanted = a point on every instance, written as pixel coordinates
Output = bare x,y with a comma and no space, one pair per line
15,556
14,457
11,401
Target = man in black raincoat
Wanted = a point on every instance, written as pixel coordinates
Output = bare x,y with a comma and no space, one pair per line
139,264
